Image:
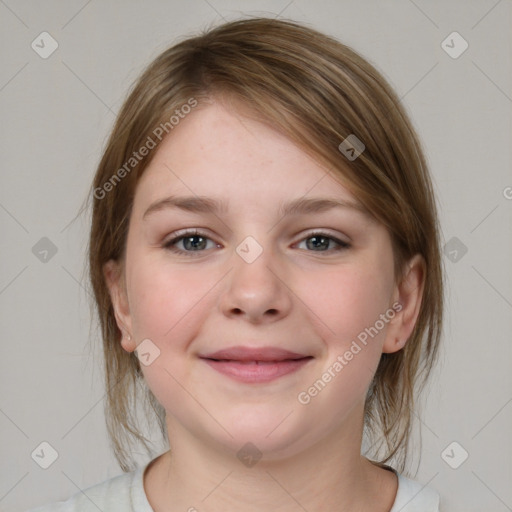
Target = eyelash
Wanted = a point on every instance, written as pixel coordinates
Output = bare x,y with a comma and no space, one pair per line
169,245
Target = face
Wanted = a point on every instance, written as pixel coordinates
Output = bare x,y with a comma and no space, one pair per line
287,262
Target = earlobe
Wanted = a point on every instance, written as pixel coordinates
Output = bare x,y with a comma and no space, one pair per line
115,283
409,294
127,343
394,345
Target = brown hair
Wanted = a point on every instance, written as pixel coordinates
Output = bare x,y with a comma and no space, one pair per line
317,91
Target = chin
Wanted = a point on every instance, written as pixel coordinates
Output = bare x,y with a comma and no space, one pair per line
268,437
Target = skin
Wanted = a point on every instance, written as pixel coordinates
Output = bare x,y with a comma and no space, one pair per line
292,296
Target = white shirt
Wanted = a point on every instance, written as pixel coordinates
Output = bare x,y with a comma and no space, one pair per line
125,493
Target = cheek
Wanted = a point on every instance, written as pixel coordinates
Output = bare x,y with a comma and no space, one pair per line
165,299
168,305
348,300
154,306
349,305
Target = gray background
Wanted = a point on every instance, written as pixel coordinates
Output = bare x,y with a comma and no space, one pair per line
56,114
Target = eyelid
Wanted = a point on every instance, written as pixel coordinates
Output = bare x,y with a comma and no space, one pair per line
326,232
184,233
341,245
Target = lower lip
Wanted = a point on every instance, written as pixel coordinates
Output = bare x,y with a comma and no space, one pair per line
252,372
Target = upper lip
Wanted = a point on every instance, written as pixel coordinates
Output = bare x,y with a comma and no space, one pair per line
240,353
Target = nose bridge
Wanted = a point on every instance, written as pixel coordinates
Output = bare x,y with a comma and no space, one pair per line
253,263
255,289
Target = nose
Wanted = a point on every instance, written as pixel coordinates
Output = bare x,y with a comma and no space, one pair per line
256,290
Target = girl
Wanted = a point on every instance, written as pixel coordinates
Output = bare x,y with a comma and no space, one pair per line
264,255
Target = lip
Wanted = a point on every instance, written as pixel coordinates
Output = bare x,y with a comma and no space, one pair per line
240,353
255,365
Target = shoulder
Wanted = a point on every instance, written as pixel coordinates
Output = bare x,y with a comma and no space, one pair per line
414,497
122,493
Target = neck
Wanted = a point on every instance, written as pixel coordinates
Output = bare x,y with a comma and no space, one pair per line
329,475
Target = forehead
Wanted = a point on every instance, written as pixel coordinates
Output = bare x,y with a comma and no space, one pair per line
221,152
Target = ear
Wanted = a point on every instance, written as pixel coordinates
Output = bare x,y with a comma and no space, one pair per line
114,278
407,297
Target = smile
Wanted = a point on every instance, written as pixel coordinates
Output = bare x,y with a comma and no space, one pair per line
255,364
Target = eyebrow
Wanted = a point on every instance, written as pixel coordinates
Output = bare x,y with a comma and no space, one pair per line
202,204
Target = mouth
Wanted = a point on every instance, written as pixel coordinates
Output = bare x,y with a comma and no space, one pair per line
255,365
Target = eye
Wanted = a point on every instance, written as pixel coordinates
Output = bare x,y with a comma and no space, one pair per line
195,241
191,241
323,242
